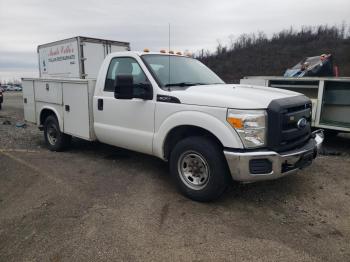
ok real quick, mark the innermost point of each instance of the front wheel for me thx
(54, 138)
(199, 168)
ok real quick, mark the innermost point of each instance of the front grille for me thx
(283, 116)
(298, 108)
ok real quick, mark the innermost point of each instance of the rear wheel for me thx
(54, 138)
(199, 168)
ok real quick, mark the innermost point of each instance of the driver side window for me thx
(125, 66)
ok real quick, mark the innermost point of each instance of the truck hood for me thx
(231, 95)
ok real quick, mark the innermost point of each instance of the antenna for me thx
(169, 59)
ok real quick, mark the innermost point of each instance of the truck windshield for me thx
(184, 71)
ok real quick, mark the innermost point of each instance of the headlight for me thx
(250, 125)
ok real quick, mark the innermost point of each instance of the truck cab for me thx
(175, 108)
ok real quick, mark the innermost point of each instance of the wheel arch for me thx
(192, 123)
(181, 132)
(47, 111)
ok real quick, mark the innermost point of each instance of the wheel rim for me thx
(194, 170)
(52, 134)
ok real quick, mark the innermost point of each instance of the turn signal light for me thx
(146, 50)
(235, 122)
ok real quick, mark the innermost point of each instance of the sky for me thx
(195, 24)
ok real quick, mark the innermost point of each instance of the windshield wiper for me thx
(184, 84)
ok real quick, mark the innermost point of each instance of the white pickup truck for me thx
(175, 108)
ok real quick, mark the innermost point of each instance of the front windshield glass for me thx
(184, 71)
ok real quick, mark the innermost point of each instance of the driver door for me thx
(126, 123)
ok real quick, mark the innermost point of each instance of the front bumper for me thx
(278, 164)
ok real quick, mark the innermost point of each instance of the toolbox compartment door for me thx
(28, 100)
(76, 109)
(48, 91)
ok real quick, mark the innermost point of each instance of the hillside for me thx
(255, 54)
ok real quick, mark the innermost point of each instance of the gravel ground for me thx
(99, 203)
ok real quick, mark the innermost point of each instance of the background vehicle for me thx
(5, 88)
(177, 109)
(17, 88)
(321, 66)
(13, 88)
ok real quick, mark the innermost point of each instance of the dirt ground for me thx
(98, 203)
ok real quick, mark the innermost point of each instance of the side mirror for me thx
(144, 91)
(123, 88)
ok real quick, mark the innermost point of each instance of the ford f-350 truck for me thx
(175, 108)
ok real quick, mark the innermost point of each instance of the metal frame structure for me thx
(330, 97)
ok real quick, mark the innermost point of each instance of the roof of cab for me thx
(140, 53)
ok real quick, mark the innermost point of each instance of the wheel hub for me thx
(193, 170)
(52, 134)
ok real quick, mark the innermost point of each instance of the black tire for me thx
(210, 156)
(54, 138)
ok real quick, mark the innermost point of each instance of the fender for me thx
(223, 131)
(56, 112)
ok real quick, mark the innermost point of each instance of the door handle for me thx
(67, 107)
(100, 104)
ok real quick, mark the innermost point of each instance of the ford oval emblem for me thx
(302, 122)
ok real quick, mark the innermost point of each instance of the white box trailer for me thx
(77, 57)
